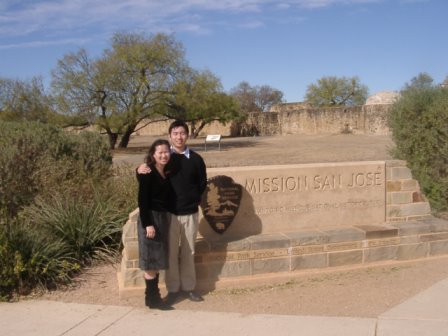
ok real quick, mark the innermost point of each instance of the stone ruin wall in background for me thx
(297, 119)
(365, 119)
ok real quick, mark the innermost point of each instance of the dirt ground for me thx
(272, 150)
(358, 292)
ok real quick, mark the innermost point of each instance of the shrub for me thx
(37, 159)
(62, 206)
(88, 228)
(420, 131)
(29, 259)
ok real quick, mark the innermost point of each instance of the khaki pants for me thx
(181, 273)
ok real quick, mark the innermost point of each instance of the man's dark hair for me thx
(178, 123)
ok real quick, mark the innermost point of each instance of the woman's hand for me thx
(150, 232)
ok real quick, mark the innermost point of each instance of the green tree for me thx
(420, 132)
(25, 100)
(336, 91)
(123, 86)
(256, 98)
(421, 81)
(198, 98)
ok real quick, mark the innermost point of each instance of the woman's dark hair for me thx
(178, 123)
(149, 160)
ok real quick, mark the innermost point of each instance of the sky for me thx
(286, 44)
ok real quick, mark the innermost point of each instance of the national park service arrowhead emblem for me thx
(220, 202)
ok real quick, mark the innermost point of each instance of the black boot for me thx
(153, 298)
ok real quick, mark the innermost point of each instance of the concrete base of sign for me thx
(218, 262)
(400, 228)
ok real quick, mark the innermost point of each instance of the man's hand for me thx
(143, 169)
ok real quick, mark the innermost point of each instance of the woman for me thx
(154, 218)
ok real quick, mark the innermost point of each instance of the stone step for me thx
(290, 252)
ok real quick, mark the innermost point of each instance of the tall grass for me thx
(89, 229)
(29, 259)
(62, 206)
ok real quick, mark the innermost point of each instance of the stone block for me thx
(129, 231)
(381, 242)
(378, 231)
(309, 261)
(344, 234)
(229, 245)
(131, 250)
(312, 249)
(268, 241)
(420, 218)
(418, 196)
(434, 236)
(395, 163)
(132, 278)
(411, 228)
(438, 247)
(409, 240)
(302, 238)
(398, 173)
(270, 265)
(226, 256)
(437, 224)
(415, 209)
(344, 246)
(393, 186)
(393, 211)
(413, 251)
(410, 185)
(270, 253)
(401, 197)
(344, 258)
(202, 246)
(233, 269)
(202, 272)
(216, 271)
(380, 253)
(134, 215)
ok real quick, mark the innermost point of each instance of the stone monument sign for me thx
(293, 197)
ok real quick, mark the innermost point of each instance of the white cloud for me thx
(71, 18)
(39, 43)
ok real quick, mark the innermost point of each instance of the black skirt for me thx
(153, 253)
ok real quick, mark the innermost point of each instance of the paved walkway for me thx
(424, 314)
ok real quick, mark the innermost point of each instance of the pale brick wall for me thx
(404, 200)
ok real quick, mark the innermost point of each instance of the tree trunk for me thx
(126, 137)
(198, 130)
(112, 139)
(193, 133)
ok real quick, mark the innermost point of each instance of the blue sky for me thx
(286, 44)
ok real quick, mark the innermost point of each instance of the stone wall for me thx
(400, 228)
(155, 128)
(365, 119)
(294, 118)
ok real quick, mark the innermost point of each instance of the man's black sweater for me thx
(188, 179)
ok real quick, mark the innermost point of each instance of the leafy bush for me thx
(420, 131)
(62, 205)
(28, 258)
(37, 159)
(88, 229)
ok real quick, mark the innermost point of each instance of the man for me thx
(188, 181)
